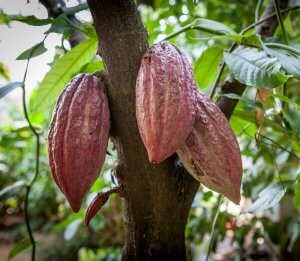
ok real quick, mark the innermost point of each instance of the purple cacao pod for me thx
(211, 153)
(165, 100)
(78, 137)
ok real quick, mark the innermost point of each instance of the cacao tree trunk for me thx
(158, 196)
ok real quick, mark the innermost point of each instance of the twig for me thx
(278, 145)
(213, 226)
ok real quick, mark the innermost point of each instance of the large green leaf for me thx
(255, 68)
(62, 71)
(290, 61)
(212, 26)
(206, 66)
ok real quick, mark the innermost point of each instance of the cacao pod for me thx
(211, 153)
(164, 100)
(96, 204)
(78, 137)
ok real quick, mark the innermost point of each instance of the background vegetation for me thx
(265, 225)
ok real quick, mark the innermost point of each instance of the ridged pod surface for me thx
(78, 137)
(211, 153)
(165, 100)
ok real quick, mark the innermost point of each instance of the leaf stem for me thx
(280, 21)
(220, 199)
(258, 6)
(37, 161)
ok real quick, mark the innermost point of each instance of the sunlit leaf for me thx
(206, 66)
(62, 71)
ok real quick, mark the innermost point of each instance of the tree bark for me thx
(158, 196)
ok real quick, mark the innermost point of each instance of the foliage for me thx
(271, 158)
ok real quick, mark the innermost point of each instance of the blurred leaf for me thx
(31, 20)
(212, 26)
(4, 71)
(206, 66)
(294, 232)
(61, 25)
(8, 88)
(92, 67)
(67, 221)
(267, 198)
(62, 71)
(254, 68)
(248, 116)
(250, 103)
(19, 247)
(71, 229)
(290, 61)
(89, 31)
(253, 40)
(286, 99)
(17, 184)
(34, 51)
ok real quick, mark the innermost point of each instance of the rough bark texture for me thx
(158, 196)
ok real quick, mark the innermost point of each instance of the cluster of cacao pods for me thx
(78, 137)
(173, 116)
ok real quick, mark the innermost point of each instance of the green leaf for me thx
(64, 223)
(249, 116)
(17, 184)
(31, 20)
(212, 26)
(8, 88)
(290, 61)
(61, 25)
(34, 51)
(62, 71)
(253, 40)
(72, 228)
(255, 68)
(92, 67)
(206, 66)
(19, 247)
(286, 99)
(267, 198)
(249, 103)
